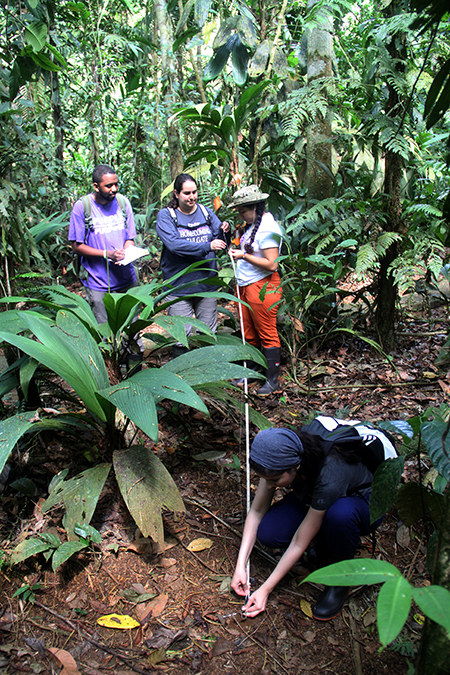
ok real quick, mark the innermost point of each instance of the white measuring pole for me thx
(247, 418)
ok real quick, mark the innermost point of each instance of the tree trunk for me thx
(164, 28)
(394, 169)
(434, 651)
(319, 180)
(280, 21)
(58, 126)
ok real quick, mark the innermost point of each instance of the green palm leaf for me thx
(146, 487)
(69, 350)
(11, 430)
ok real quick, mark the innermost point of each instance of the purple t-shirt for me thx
(109, 232)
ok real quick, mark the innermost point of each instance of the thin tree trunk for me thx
(58, 126)
(257, 143)
(166, 39)
(319, 180)
(386, 286)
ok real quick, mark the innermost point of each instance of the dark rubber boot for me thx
(273, 356)
(330, 603)
(179, 350)
(250, 364)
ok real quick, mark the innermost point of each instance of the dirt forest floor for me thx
(189, 621)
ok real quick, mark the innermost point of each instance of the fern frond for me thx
(425, 254)
(367, 258)
(385, 241)
(312, 216)
(427, 210)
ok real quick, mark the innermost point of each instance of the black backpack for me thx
(370, 447)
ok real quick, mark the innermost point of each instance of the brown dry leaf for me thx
(155, 606)
(402, 536)
(66, 660)
(309, 636)
(157, 656)
(444, 386)
(170, 578)
(169, 543)
(163, 637)
(333, 641)
(199, 544)
(167, 562)
(310, 666)
(297, 324)
(99, 606)
(306, 607)
(139, 588)
(6, 621)
(370, 617)
(143, 546)
(143, 612)
(221, 646)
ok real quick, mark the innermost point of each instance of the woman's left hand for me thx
(256, 603)
(236, 253)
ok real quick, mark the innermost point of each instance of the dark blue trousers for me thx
(344, 523)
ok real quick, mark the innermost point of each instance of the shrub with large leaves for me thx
(62, 336)
(395, 596)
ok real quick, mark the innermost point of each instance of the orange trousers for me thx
(260, 322)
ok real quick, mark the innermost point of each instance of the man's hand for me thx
(116, 254)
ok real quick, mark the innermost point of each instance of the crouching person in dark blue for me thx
(329, 464)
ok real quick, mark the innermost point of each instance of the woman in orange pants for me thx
(258, 279)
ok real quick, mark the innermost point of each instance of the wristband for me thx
(243, 256)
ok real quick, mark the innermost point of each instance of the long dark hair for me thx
(178, 183)
(260, 208)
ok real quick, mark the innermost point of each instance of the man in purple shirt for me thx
(100, 239)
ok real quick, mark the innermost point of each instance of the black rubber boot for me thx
(249, 364)
(179, 350)
(273, 356)
(330, 603)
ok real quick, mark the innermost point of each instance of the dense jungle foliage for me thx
(338, 110)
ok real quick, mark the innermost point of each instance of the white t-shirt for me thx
(268, 236)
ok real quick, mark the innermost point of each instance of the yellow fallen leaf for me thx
(418, 618)
(306, 607)
(118, 621)
(199, 544)
(429, 375)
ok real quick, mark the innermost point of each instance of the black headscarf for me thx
(277, 449)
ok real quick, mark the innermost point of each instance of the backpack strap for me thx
(87, 207)
(173, 215)
(206, 214)
(122, 208)
(203, 209)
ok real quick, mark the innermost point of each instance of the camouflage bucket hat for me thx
(250, 194)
